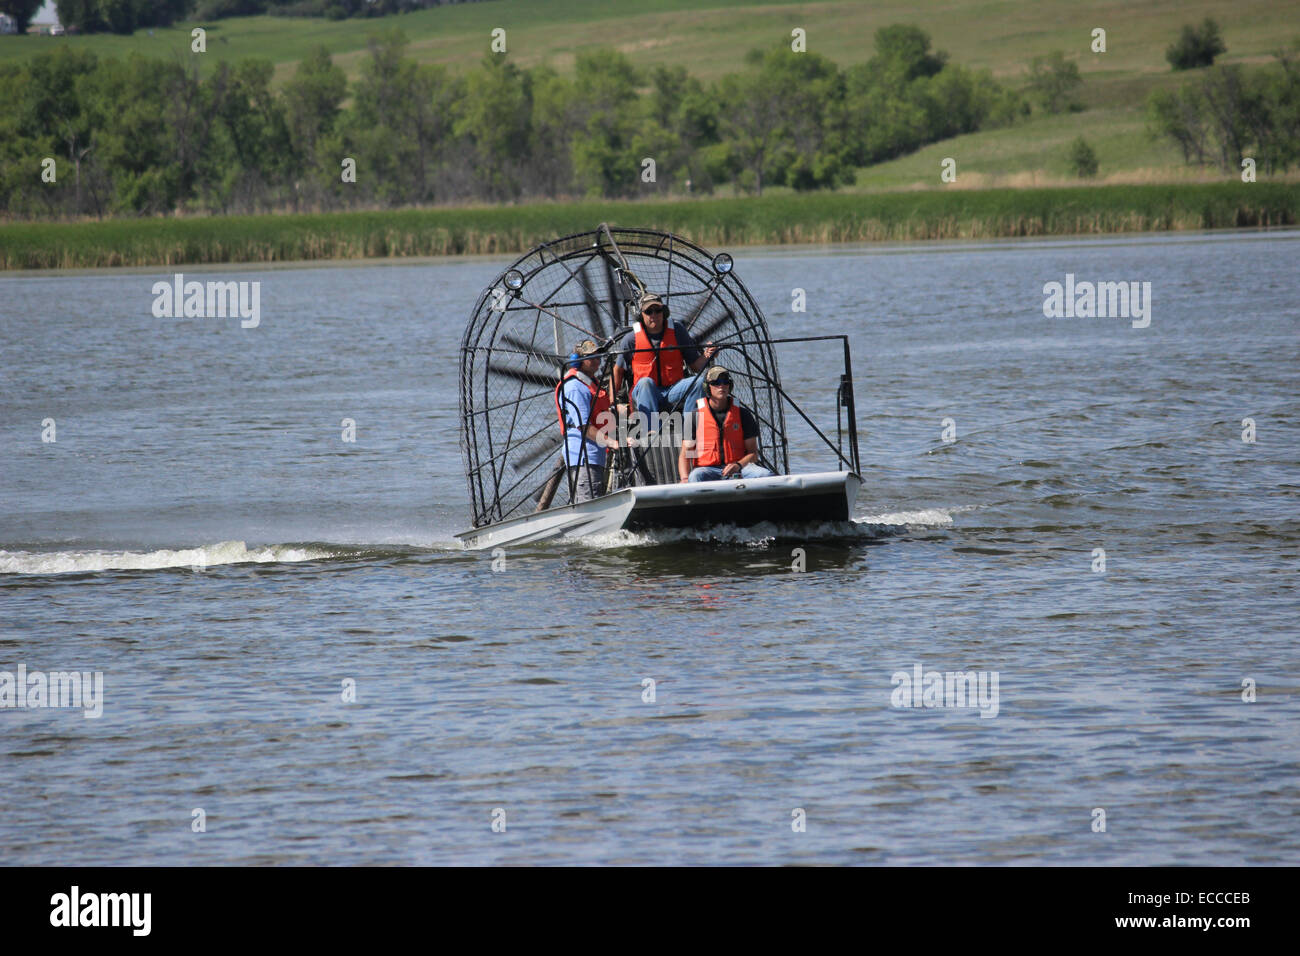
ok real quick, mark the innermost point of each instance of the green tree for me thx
(1278, 126)
(161, 13)
(134, 156)
(1055, 81)
(53, 114)
(905, 96)
(555, 117)
(399, 126)
(786, 121)
(1082, 160)
(21, 10)
(119, 15)
(1180, 116)
(690, 117)
(605, 160)
(889, 113)
(1195, 46)
(313, 100)
(496, 120)
(906, 49)
(249, 152)
(85, 16)
(18, 144)
(1228, 114)
(219, 9)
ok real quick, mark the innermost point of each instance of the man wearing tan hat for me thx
(583, 410)
(726, 436)
(657, 353)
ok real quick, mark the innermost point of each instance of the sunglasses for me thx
(654, 310)
(721, 381)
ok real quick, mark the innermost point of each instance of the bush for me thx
(1054, 80)
(1082, 159)
(1196, 47)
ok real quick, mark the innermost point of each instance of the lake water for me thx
(199, 532)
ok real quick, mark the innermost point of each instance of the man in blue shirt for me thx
(582, 407)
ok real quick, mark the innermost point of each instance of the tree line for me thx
(151, 136)
(1228, 114)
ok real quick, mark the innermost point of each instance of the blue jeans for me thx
(713, 473)
(649, 397)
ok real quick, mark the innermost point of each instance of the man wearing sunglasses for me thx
(726, 436)
(658, 352)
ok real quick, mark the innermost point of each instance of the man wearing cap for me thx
(657, 352)
(583, 410)
(726, 436)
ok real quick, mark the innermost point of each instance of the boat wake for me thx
(925, 518)
(204, 556)
(865, 528)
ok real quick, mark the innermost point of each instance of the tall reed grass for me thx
(816, 218)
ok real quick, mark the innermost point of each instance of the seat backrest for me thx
(661, 457)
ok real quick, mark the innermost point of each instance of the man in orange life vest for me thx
(726, 436)
(583, 410)
(658, 352)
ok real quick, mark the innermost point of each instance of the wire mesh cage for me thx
(528, 321)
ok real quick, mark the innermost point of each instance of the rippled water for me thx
(200, 534)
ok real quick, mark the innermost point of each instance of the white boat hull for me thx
(822, 496)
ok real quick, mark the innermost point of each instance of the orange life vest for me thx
(663, 364)
(714, 450)
(599, 406)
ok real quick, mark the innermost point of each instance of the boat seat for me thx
(660, 458)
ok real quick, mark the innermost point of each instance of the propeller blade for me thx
(592, 303)
(526, 459)
(690, 320)
(703, 334)
(615, 293)
(529, 377)
(527, 348)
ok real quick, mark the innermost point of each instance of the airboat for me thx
(586, 285)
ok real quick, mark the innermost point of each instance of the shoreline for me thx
(938, 214)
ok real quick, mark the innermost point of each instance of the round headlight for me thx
(514, 280)
(722, 263)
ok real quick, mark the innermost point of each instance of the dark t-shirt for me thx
(690, 352)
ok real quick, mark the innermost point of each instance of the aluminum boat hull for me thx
(784, 499)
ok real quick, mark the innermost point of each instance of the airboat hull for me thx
(782, 499)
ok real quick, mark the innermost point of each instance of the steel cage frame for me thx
(584, 285)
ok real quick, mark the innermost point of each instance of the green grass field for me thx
(720, 223)
(710, 37)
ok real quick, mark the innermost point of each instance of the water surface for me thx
(200, 533)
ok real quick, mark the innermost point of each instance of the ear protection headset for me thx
(575, 359)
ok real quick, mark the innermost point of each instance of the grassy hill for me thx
(711, 37)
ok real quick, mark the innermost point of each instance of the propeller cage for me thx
(582, 286)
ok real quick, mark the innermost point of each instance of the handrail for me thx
(843, 397)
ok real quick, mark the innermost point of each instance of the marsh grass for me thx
(784, 219)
